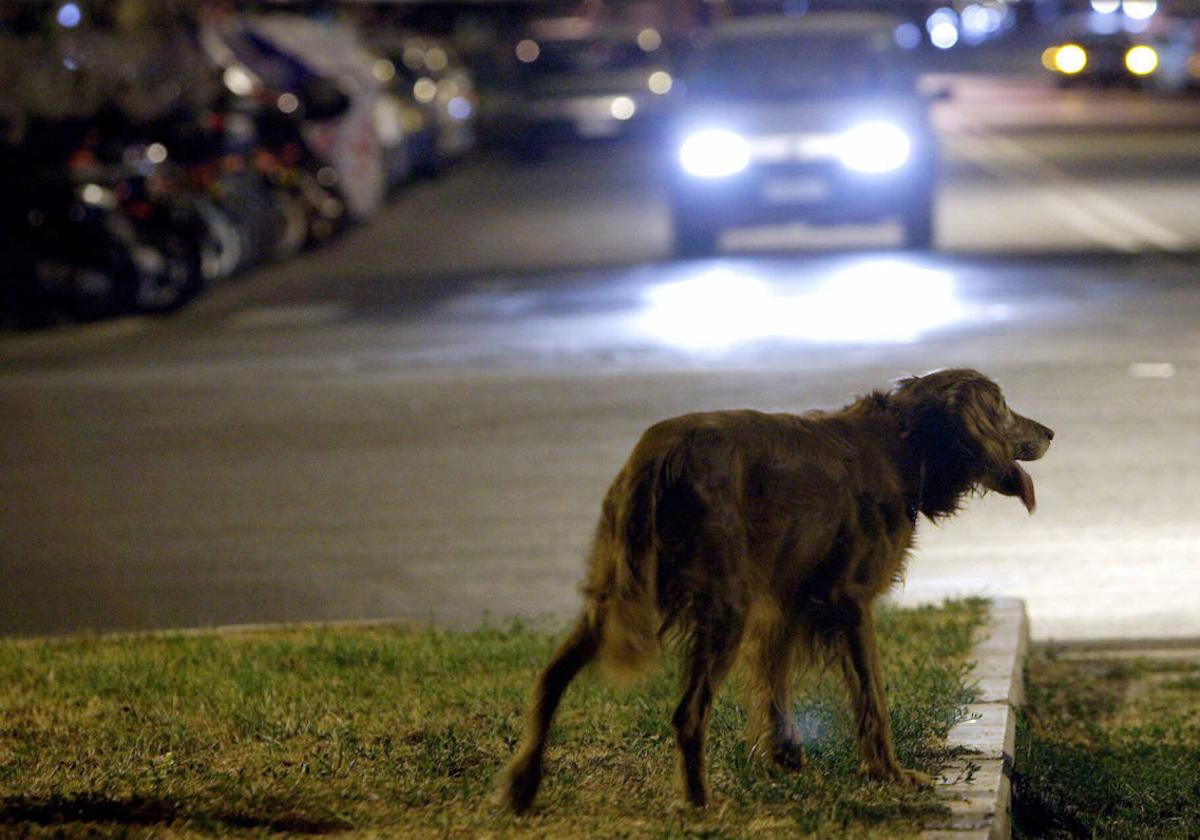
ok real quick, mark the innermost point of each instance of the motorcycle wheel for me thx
(167, 274)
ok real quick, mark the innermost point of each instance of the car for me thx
(407, 122)
(1156, 55)
(578, 81)
(442, 99)
(816, 119)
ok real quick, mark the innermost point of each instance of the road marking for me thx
(299, 315)
(1089, 211)
(1154, 233)
(1152, 370)
(981, 150)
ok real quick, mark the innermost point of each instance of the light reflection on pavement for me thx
(743, 309)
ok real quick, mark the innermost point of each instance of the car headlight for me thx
(714, 153)
(874, 147)
(1070, 59)
(1141, 60)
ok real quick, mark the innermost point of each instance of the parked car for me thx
(816, 119)
(408, 121)
(435, 76)
(582, 83)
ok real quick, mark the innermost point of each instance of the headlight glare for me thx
(875, 147)
(714, 153)
(1141, 60)
(1070, 59)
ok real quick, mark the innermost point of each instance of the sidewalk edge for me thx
(977, 786)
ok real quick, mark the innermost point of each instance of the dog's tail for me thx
(621, 587)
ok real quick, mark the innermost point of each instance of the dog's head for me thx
(967, 437)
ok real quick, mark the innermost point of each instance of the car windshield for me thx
(798, 67)
(568, 58)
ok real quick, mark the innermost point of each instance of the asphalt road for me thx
(420, 420)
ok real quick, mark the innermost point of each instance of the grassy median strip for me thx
(400, 731)
(1109, 746)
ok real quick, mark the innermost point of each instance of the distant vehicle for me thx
(407, 125)
(1160, 55)
(432, 99)
(578, 82)
(453, 92)
(816, 119)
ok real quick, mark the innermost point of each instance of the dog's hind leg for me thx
(521, 779)
(713, 646)
(707, 664)
(773, 728)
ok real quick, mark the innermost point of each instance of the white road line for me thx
(1154, 233)
(298, 315)
(1158, 235)
(1089, 211)
(1081, 217)
(979, 150)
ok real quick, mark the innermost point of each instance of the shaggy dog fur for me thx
(774, 534)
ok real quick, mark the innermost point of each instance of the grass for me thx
(1109, 747)
(398, 731)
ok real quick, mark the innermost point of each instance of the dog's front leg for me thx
(863, 678)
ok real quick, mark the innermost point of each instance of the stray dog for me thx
(776, 532)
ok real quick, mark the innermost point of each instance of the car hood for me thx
(810, 115)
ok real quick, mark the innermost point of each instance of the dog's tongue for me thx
(1022, 486)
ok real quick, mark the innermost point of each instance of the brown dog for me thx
(776, 531)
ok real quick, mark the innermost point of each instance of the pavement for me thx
(421, 419)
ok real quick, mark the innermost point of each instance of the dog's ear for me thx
(985, 417)
(954, 422)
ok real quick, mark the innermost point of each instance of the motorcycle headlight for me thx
(714, 153)
(874, 147)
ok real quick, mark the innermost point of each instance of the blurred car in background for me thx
(1153, 55)
(433, 95)
(423, 59)
(816, 119)
(575, 80)
(407, 126)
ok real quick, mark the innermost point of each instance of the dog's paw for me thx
(899, 775)
(911, 778)
(789, 755)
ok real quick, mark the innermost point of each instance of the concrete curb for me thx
(977, 786)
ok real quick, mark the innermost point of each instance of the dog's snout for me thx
(1032, 439)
